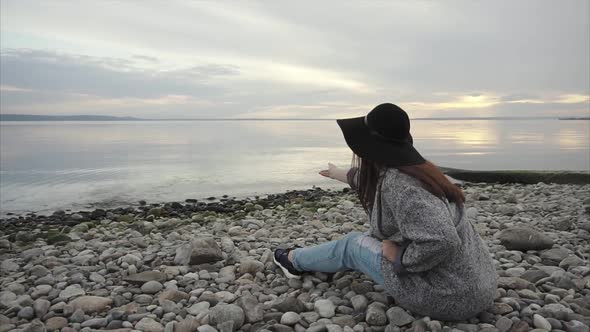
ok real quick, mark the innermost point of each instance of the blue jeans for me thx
(355, 251)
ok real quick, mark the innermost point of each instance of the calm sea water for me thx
(55, 165)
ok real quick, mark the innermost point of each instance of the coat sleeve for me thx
(427, 228)
(351, 177)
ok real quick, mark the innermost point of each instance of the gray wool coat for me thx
(447, 272)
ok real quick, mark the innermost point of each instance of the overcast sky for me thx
(313, 59)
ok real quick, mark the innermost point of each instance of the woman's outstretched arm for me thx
(336, 173)
(346, 175)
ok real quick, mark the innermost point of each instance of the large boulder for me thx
(523, 239)
(222, 313)
(205, 250)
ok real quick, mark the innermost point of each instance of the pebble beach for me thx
(207, 266)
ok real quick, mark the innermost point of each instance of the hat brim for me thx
(367, 145)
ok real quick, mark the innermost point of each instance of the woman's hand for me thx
(330, 172)
(335, 172)
(390, 250)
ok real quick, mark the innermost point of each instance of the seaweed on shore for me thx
(517, 176)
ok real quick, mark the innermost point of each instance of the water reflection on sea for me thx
(50, 165)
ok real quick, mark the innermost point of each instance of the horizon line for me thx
(31, 117)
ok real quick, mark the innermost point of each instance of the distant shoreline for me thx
(65, 118)
(588, 118)
(31, 117)
(460, 176)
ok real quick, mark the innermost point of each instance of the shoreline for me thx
(456, 175)
(207, 200)
(221, 204)
(194, 266)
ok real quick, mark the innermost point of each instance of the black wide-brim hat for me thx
(382, 136)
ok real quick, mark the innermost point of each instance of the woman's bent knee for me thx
(351, 236)
(356, 241)
(369, 243)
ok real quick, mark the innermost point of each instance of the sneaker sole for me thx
(285, 271)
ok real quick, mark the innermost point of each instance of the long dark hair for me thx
(430, 177)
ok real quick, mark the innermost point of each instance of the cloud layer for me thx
(226, 60)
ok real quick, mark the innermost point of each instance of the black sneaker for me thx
(280, 257)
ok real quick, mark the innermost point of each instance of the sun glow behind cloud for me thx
(489, 101)
(573, 99)
(460, 102)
